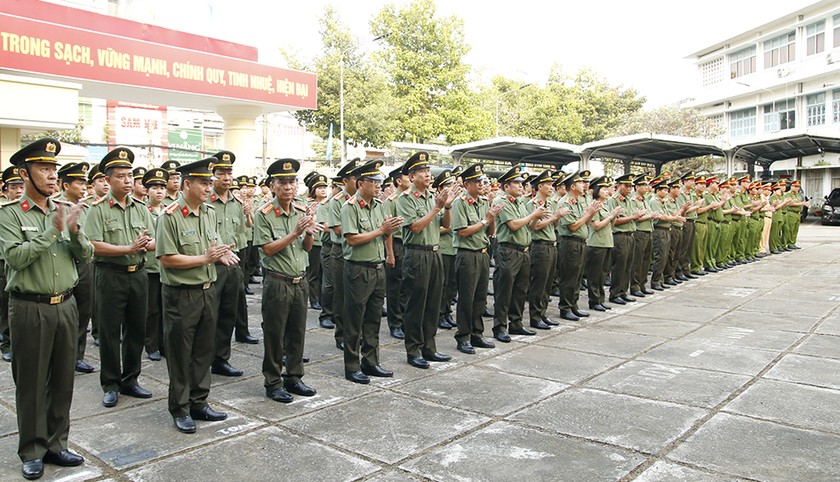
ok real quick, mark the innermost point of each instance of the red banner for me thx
(38, 47)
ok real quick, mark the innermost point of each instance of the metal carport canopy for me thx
(518, 149)
(656, 149)
(781, 146)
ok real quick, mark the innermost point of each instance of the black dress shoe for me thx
(579, 313)
(248, 339)
(690, 276)
(608, 307)
(657, 287)
(481, 342)
(33, 469)
(443, 324)
(184, 424)
(398, 333)
(568, 315)
(278, 395)
(647, 291)
(671, 283)
(540, 325)
(357, 377)
(136, 391)
(248, 290)
(300, 388)
(637, 293)
(315, 305)
(376, 371)
(154, 356)
(84, 367)
(699, 273)
(683, 277)
(437, 357)
(617, 301)
(110, 398)
(326, 323)
(521, 331)
(225, 369)
(418, 362)
(7, 356)
(597, 307)
(207, 414)
(65, 458)
(339, 344)
(548, 321)
(466, 347)
(628, 299)
(711, 269)
(253, 281)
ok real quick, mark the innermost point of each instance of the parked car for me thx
(831, 208)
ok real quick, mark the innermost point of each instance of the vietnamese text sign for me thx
(184, 139)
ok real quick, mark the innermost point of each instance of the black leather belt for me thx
(123, 268)
(482, 250)
(422, 247)
(55, 299)
(689, 220)
(620, 233)
(662, 228)
(291, 279)
(202, 286)
(575, 239)
(516, 247)
(543, 241)
(396, 240)
(366, 264)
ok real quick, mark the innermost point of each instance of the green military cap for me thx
(641, 180)
(42, 150)
(317, 180)
(73, 170)
(603, 181)
(528, 177)
(252, 181)
(689, 176)
(576, 177)
(674, 183)
(625, 179)
(283, 168)
(263, 182)
(170, 166)
(155, 177)
(345, 170)
(513, 175)
(11, 176)
(559, 176)
(94, 173)
(745, 178)
(243, 180)
(475, 171)
(138, 172)
(397, 172)
(659, 183)
(119, 157)
(224, 159)
(457, 171)
(443, 179)
(419, 160)
(309, 176)
(545, 176)
(235, 184)
(200, 168)
(368, 170)
(700, 179)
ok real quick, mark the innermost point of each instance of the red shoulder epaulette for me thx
(171, 208)
(298, 207)
(94, 203)
(352, 200)
(267, 208)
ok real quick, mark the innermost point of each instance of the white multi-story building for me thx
(780, 77)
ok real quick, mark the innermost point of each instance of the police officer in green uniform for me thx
(661, 237)
(189, 249)
(642, 242)
(138, 191)
(173, 185)
(73, 177)
(155, 182)
(420, 210)
(574, 231)
(623, 229)
(447, 255)
(12, 191)
(317, 188)
(687, 196)
(673, 273)
(714, 202)
(41, 240)
(394, 252)
(322, 217)
(101, 188)
(701, 229)
(599, 243)
(365, 228)
(543, 252)
(122, 231)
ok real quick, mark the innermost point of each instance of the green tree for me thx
(70, 136)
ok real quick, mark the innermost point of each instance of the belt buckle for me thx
(206, 285)
(435, 247)
(525, 249)
(484, 250)
(297, 280)
(131, 268)
(56, 299)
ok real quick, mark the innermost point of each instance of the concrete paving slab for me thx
(556, 364)
(393, 476)
(483, 390)
(6, 380)
(649, 326)
(137, 435)
(688, 386)
(595, 340)
(527, 454)
(699, 354)
(761, 450)
(724, 297)
(679, 312)
(831, 324)
(764, 339)
(10, 465)
(668, 472)
(778, 305)
(758, 321)
(822, 372)
(386, 426)
(8, 419)
(791, 403)
(630, 422)
(827, 346)
(269, 453)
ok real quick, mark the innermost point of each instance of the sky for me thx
(641, 44)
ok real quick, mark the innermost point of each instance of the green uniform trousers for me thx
(363, 300)
(661, 247)
(672, 269)
(44, 345)
(543, 258)
(724, 251)
(121, 309)
(572, 256)
(701, 238)
(5, 339)
(712, 244)
(622, 264)
(338, 291)
(284, 329)
(642, 256)
(394, 296)
(83, 292)
(790, 229)
(510, 289)
(686, 247)
(313, 274)
(154, 319)
(473, 276)
(422, 282)
(327, 287)
(189, 325)
(450, 284)
(776, 232)
(228, 290)
(596, 259)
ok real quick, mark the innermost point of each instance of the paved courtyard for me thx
(732, 376)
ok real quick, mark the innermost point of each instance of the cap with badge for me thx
(545, 176)
(642, 180)
(700, 179)
(578, 176)
(318, 180)
(309, 177)
(420, 160)
(74, 170)
(515, 174)
(626, 179)
(170, 166)
(559, 176)
(689, 176)
(346, 169)
(242, 180)
(475, 171)
(138, 172)
(94, 173)
(223, 160)
(155, 177)
(284, 168)
(11, 176)
(119, 157)
(199, 168)
(369, 170)
(235, 184)
(457, 171)
(252, 181)
(603, 181)
(42, 150)
(443, 179)
(711, 180)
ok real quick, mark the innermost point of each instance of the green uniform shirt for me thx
(689, 198)
(603, 237)
(642, 202)
(272, 223)
(230, 217)
(334, 215)
(675, 208)
(661, 206)
(389, 208)
(548, 233)
(108, 222)
(411, 206)
(467, 211)
(167, 199)
(184, 231)
(39, 259)
(625, 202)
(359, 217)
(514, 208)
(714, 214)
(152, 263)
(701, 217)
(577, 208)
(317, 239)
(778, 213)
(322, 216)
